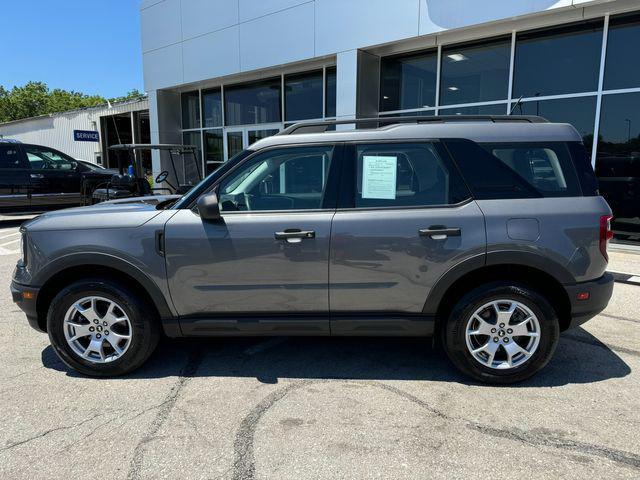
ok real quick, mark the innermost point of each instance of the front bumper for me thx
(26, 298)
(599, 291)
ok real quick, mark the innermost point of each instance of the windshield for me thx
(202, 187)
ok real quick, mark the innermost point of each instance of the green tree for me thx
(35, 98)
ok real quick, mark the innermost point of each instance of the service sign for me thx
(86, 136)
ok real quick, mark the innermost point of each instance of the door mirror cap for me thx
(208, 207)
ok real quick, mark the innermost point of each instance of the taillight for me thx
(606, 234)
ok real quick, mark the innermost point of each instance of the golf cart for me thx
(130, 181)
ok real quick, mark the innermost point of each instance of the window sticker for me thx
(379, 177)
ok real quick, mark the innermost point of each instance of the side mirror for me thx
(208, 207)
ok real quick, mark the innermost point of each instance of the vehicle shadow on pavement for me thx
(580, 358)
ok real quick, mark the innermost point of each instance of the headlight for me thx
(23, 247)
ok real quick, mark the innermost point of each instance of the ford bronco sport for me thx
(486, 231)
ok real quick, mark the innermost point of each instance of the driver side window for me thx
(44, 159)
(282, 179)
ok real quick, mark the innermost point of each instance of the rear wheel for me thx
(501, 333)
(100, 329)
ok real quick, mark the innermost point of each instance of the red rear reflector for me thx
(606, 234)
(583, 296)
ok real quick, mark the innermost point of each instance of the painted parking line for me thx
(9, 243)
(3, 235)
(623, 277)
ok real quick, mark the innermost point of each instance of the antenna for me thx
(515, 105)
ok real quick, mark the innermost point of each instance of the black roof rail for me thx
(323, 125)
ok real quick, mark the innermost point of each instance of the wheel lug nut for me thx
(509, 331)
(496, 339)
(91, 329)
(506, 340)
(106, 332)
(493, 330)
(96, 321)
(98, 335)
(502, 325)
(104, 323)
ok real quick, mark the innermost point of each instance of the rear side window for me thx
(10, 157)
(405, 175)
(517, 170)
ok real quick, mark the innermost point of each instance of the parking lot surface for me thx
(304, 408)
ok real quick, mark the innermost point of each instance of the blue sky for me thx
(90, 46)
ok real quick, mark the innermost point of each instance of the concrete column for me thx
(347, 84)
(358, 84)
(164, 124)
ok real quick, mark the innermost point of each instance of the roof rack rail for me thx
(322, 126)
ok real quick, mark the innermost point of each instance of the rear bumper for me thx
(599, 291)
(26, 297)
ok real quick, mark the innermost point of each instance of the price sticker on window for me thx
(379, 176)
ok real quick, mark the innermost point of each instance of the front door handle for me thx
(294, 235)
(440, 232)
(37, 175)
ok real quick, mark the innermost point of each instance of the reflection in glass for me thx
(212, 108)
(497, 109)
(477, 73)
(234, 143)
(252, 103)
(303, 96)
(213, 146)
(622, 70)
(579, 112)
(618, 162)
(330, 105)
(255, 135)
(408, 82)
(566, 60)
(188, 171)
(191, 110)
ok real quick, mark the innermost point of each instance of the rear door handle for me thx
(440, 232)
(37, 175)
(294, 235)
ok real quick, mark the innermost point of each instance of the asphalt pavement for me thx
(320, 408)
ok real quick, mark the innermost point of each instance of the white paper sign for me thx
(379, 177)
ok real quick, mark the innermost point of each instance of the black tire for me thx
(145, 327)
(455, 332)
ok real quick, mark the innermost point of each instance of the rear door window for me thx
(10, 157)
(517, 170)
(405, 175)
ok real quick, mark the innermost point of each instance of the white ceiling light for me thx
(457, 57)
(454, 88)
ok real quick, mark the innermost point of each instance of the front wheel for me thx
(501, 333)
(100, 329)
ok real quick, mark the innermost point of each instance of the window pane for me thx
(475, 73)
(10, 157)
(255, 135)
(212, 108)
(404, 175)
(48, 160)
(303, 96)
(330, 108)
(253, 103)
(516, 170)
(408, 82)
(213, 146)
(234, 143)
(284, 179)
(618, 161)
(187, 172)
(579, 112)
(191, 110)
(564, 61)
(498, 109)
(622, 69)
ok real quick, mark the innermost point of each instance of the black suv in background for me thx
(34, 178)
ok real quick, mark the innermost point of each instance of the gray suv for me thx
(486, 231)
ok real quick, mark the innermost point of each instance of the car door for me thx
(14, 179)
(404, 219)
(55, 178)
(263, 268)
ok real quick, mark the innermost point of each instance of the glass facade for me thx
(556, 74)
(257, 102)
(191, 110)
(330, 92)
(562, 61)
(477, 73)
(408, 82)
(303, 96)
(212, 108)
